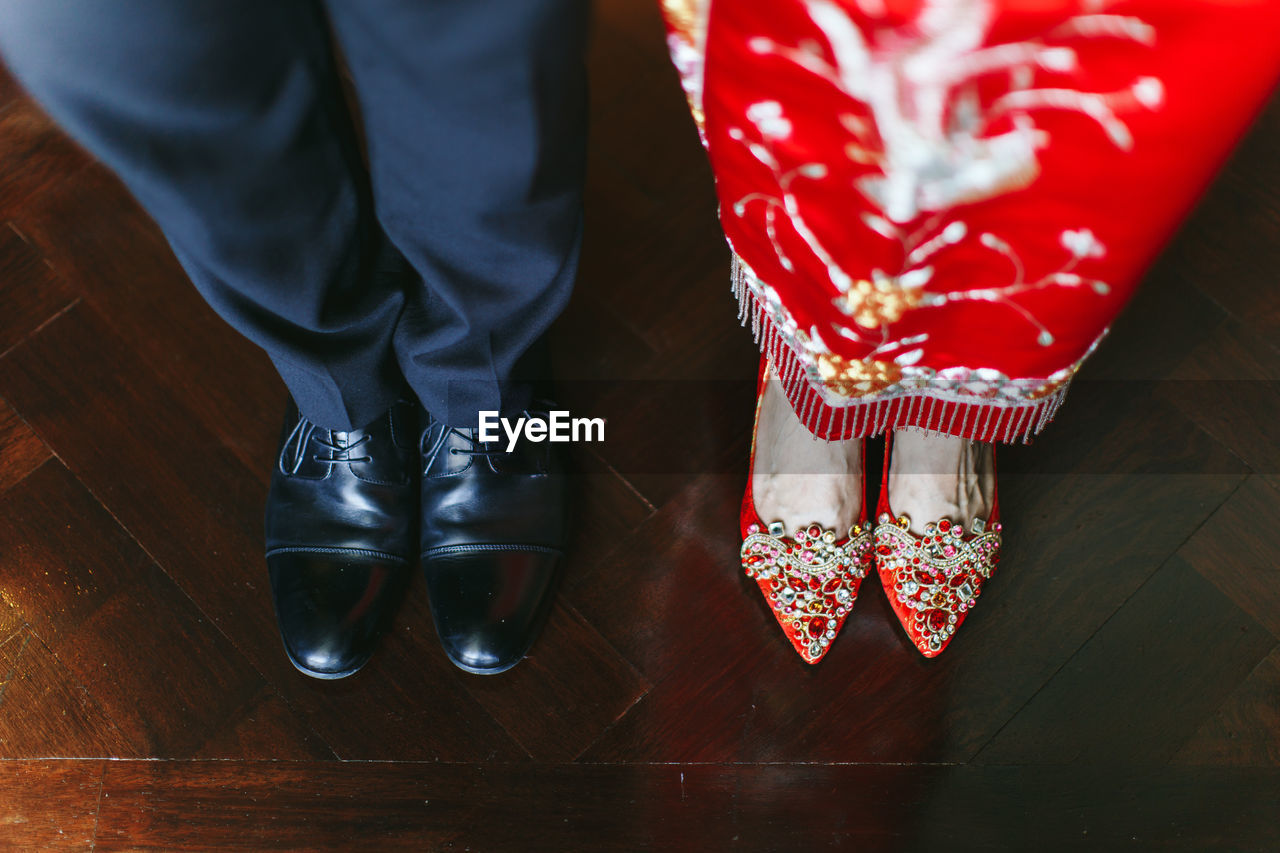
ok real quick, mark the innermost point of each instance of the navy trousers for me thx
(441, 264)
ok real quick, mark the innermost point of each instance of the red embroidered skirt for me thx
(937, 207)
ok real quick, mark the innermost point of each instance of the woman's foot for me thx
(934, 476)
(805, 542)
(801, 480)
(937, 537)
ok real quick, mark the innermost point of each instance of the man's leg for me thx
(475, 116)
(476, 127)
(225, 119)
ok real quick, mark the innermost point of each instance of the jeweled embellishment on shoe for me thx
(934, 580)
(810, 580)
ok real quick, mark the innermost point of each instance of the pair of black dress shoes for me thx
(350, 513)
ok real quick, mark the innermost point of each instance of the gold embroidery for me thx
(858, 378)
(874, 304)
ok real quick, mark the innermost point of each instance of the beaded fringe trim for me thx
(876, 414)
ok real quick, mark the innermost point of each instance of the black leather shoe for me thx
(340, 530)
(494, 528)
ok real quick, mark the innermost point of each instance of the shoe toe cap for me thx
(488, 605)
(331, 608)
(326, 657)
(485, 650)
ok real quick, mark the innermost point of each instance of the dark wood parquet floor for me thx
(1120, 687)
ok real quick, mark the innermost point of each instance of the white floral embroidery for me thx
(767, 116)
(1082, 244)
(928, 133)
(928, 136)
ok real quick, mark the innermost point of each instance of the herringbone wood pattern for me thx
(1120, 685)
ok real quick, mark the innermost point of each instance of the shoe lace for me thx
(302, 434)
(474, 446)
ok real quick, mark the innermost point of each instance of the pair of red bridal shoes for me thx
(810, 577)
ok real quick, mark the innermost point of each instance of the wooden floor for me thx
(1120, 686)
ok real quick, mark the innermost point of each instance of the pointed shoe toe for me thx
(809, 580)
(933, 581)
(489, 605)
(332, 607)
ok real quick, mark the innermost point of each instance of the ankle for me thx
(932, 477)
(800, 480)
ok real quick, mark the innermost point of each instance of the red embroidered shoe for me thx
(810, 579)
(933, 581)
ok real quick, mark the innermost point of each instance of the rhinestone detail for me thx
(810, 579)
(934, 580)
